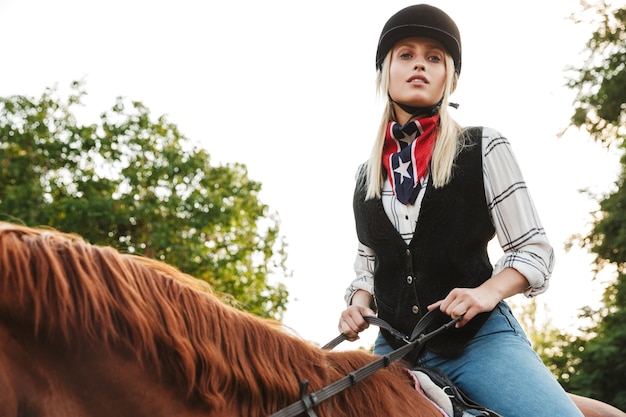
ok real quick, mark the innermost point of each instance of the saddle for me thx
(441, 391)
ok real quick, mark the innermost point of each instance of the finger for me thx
(358, 318)
(345, 329)
(454, 307)
(368, 312)
(348, 327)
(357, 323)
(466, 316)
(458, 310)
(435, 305)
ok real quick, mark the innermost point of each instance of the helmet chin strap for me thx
(427, 111)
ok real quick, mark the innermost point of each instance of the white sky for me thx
(300, 77)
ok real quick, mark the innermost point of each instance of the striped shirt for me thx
(518, 228)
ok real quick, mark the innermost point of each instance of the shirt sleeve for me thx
(364, 268)
(518, 227)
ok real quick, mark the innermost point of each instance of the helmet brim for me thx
(393, 36)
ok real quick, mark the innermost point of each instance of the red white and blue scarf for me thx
(407, 164)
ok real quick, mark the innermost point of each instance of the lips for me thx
(417, 78)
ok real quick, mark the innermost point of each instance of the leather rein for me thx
(418, 338)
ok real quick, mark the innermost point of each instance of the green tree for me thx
(136, 183)
(592, 364)
(542, 334)
(600, 82)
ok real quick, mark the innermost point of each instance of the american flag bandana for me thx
(406, 161)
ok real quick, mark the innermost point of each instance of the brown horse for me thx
(87, 331)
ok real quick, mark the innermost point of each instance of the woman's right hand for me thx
(352, 322)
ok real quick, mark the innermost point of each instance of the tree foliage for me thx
(542, 334)
(601, 82)
(592, 364)
(136, 183)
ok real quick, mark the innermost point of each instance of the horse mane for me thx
(62, 286)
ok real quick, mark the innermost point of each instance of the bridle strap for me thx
(308, 401)
(371, 320)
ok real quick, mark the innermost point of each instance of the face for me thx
(417, 73)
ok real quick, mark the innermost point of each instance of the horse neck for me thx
(48, 379)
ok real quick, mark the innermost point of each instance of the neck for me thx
(404, 112)
(403, 116)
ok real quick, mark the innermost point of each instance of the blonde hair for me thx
(447, 145)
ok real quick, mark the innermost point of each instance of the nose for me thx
(419, 65)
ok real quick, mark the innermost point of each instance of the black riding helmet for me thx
(420, 20)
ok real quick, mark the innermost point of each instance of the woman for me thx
(430, 198)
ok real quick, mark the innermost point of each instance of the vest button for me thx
(409, 280)
(415, 309)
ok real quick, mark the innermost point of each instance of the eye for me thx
(405, 55)
(434, 58)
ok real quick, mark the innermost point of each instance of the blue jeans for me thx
(500, 370)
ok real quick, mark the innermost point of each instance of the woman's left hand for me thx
(466, 302)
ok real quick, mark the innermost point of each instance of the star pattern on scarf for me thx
(403, 170)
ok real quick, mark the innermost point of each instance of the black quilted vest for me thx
(448, 250)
